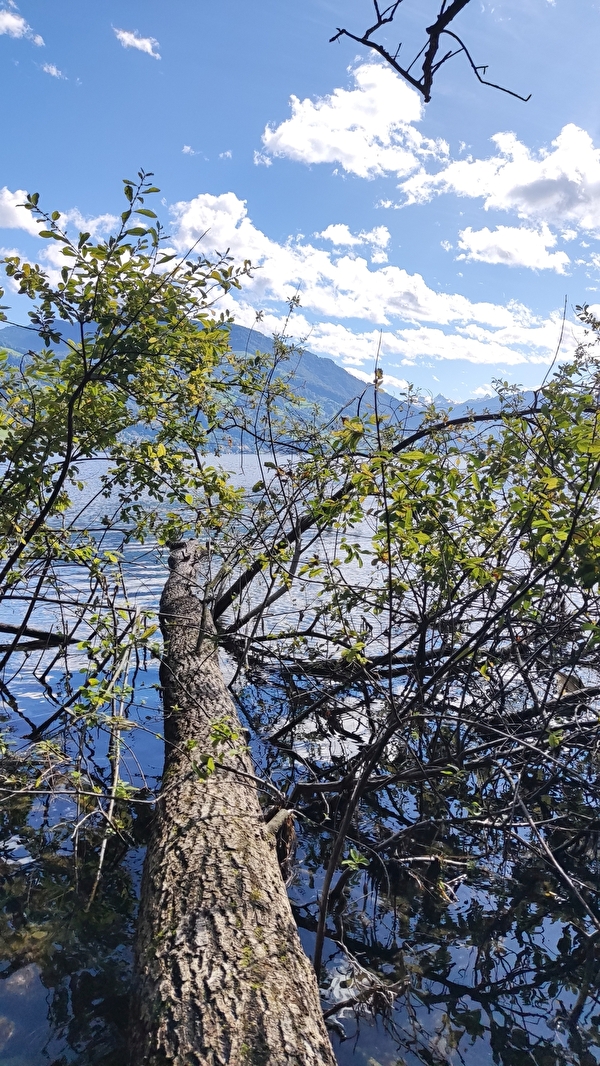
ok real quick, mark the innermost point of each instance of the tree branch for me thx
(431, 62)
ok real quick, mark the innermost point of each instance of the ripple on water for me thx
(21, 982)
(7, 1029)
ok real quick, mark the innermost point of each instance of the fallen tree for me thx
(221, 976)
(436, 707)
(142, 377)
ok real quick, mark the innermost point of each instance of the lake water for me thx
(498, 965)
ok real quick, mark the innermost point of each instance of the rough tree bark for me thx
(221, 977)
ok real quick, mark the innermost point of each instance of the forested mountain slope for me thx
(316, 378)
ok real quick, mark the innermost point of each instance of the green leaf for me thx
(355, 860)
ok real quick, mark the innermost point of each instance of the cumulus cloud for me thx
(53, 71)
(509, 346)
(188, 150)
(133, 39)
(535, 344)
(515, 246)
(339, 234)
(74, 222)
(95, 225)
(390, 382)
(15, 26)
(418, 321)
(12, 216)
(368, 129)
(559, 186)
(337, 285)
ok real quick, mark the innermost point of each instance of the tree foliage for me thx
(411, 611)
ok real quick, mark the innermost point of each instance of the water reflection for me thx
(491, 961)
(64, 971)
(455, 943)
(488, 970)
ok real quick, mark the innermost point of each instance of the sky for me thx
(448, 237)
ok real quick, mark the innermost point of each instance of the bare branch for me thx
(431, 62)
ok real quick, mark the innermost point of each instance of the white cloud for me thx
(362, 375)
(188, 150)
(390, 383)
(559, 186)
(367, 129)
(410, 320)
(331, 284)
(53, 71)
(11, 215)
(133, 39)
(9, 284)
(413, 345)
(515, 246)
(419, 321)
(339, 234)
(96, 226)
(15, 26)
(74, 222)
(50, 253)
(226, 155)
(510, 346)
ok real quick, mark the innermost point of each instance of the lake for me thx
(492, 960)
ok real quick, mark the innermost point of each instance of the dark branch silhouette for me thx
(433, 58)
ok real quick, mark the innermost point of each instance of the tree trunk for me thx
(221, 977)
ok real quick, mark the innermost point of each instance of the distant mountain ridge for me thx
(316, 378)
(320, 379)
(313, 377)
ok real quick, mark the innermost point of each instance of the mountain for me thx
(314, 377)
(24, 339)
(322, 381)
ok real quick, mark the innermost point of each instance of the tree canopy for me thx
(409, 606)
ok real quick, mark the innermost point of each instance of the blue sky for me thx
(448, 234)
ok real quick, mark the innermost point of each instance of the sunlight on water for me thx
(487, 959)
